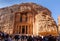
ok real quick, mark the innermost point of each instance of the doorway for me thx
(23, 29)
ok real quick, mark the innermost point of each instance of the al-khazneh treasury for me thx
(27, 19)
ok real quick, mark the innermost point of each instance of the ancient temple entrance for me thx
(23, 24)
(23, 30)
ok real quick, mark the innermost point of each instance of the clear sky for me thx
(52, 5)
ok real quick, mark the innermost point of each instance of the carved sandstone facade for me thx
(27, 18)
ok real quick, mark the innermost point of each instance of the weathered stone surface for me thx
(43, 21)
(59, 24)
(45, 24)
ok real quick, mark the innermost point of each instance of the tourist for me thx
(45, 38)
(16, 37)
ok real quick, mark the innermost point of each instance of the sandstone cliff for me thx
(44, 20)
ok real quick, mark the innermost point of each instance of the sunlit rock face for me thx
(59, 24)
(43, 23)
(6, 20)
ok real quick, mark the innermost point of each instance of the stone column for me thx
(21, 29)
(25, 29)
(28, 29)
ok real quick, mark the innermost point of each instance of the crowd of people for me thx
(7, 37)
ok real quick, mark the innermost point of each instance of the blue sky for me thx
(52, 5)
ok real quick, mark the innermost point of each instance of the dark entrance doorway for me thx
(23, 29)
